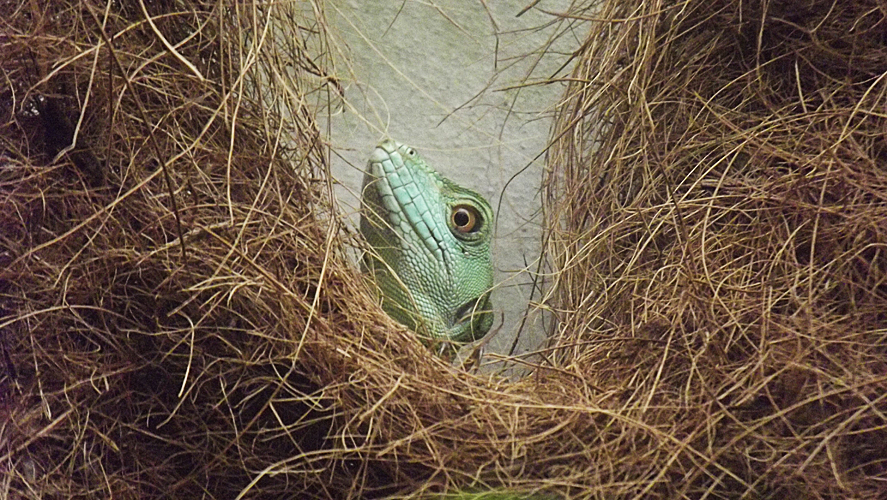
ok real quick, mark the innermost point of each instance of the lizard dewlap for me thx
(429, 246)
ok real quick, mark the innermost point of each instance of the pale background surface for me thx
(428, 74)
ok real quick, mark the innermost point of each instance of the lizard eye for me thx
(465, 219)
(411, 152)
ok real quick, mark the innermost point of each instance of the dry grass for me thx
(158, 279)
(722, 244)
(179, 318)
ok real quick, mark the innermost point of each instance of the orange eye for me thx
(465, 219)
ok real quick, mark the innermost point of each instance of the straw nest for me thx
(180, 320)
(718, 185)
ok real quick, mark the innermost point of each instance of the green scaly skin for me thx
(430, 242)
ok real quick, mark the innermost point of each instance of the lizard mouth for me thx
(468, 311)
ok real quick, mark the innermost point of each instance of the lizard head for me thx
(430, 245)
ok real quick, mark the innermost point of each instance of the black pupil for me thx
(461, 218)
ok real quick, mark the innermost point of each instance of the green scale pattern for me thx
(430, 246)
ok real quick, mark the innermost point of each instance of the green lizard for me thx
(430, 239)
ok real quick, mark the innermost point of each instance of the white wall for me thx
(428, 74)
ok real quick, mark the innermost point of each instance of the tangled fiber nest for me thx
(179, 318)
(719, 179)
